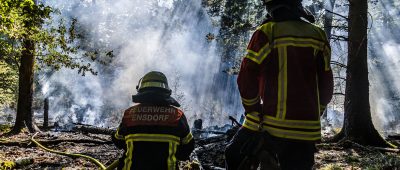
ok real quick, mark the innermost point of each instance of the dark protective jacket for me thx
(286, 75)
(154, 137)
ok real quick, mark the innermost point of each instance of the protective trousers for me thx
(291, 155)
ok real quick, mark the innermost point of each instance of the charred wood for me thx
(209, 140)
(46, 113)
(92, 129)
(208, 131)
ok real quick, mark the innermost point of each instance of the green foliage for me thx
(56, 41)
(237, 20)
(5, 128)
(20, 20)
(9, 84)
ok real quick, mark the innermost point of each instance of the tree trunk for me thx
(358, 125)
(24, 116)
(46, 113)
(328, 18)
(25, 93)
(328, 30)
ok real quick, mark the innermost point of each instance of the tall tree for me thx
(358, 126)
(27, 35)
(328, 17)
(19, 20)
(25, 88)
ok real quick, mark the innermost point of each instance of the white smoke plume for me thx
(167, 36)
(384, 66)
(385, 89)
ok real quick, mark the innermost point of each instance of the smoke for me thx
(384, 66)
(167, 36)
(385, 89)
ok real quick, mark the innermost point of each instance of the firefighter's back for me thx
(290, 73)
(152, 134)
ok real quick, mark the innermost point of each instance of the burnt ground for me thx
(105, 153)
(209, 153)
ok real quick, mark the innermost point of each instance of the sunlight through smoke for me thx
(167, 36)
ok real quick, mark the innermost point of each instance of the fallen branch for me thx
(57, 141)
(53, 142)
(15, 143)
(207, 131)
(93, 130)
(387, 149)
(210, 140)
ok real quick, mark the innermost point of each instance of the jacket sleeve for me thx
(118, 139)
(249, 78)
(186, 146)
(325, 76)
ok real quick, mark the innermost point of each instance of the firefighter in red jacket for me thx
(285, 82)
(154, 133)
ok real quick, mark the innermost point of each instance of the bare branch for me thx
(341, 78)
(339, 64)
(337, 26)
(327, 10)
(339, 94)
(339, 37)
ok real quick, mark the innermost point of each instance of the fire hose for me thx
(75, 155)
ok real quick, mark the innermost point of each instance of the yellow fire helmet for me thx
(153, 80)
(153, 88)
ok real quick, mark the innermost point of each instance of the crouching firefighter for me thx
(154, 133)
(285, 82)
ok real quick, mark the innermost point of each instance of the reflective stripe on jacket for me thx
(153, 137)
(286, 75)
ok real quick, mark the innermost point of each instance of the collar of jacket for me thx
(155, 98)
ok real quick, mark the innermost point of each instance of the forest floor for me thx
(210, 155)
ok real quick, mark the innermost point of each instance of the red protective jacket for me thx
(154, 137)
(286, 76)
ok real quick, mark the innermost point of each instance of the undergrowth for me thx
(5, 128)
